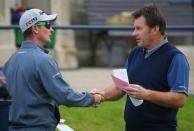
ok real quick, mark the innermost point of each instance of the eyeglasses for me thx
(43, 23)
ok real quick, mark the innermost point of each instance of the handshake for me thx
(98, 97)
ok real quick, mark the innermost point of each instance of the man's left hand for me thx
(137, 91)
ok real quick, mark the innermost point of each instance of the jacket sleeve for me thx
(58, 89)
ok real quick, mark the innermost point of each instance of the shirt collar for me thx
(151, 51)
(30, 44)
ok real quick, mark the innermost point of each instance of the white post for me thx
(65, 51)
(7, 39)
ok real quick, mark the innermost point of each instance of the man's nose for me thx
(134, 33)
(51, 29)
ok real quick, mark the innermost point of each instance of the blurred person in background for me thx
(158, 74)
(4, 95)
(4, 103)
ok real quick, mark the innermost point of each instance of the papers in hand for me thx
(120, 79)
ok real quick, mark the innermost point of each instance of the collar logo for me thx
(31, 21)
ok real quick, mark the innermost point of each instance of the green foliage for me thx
(109, 117)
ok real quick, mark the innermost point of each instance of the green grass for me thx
(186, 116)
(109, 117)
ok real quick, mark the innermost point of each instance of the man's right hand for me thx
(110, 93)
(98, 98)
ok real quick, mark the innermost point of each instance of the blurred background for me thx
(93, 37)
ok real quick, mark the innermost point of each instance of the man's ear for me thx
(155, 30)
(35, 29)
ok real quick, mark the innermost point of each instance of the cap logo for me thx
(41, 13)
(31, 21)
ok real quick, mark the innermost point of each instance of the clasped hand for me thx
(97, 96)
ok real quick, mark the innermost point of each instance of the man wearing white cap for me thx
(34, 81)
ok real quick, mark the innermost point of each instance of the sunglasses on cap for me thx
(44, 23)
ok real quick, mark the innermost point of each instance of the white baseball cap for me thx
(32, 16)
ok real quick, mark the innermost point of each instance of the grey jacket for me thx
(37, 86)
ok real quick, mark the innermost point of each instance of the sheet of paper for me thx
(136, 102)
(120, 79)
(120, 83)
(121, 74)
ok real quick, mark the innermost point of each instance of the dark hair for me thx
(27, 32)
(153, 17)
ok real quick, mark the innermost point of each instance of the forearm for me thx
(166, 99)
(112, 93)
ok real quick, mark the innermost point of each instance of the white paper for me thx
(63, 127)
(136, 102)
(122, 75)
